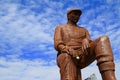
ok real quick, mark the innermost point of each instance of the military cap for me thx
(73, 10)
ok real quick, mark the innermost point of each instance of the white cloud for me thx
(22, 27)
(31, 25)
(117, 69)
(86, 72)
(27, 70)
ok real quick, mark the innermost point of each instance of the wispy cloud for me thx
(27, 70)
(27, 29)
(20, 28)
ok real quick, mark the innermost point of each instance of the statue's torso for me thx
(73, 35)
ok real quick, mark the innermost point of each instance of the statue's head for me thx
(74, 15)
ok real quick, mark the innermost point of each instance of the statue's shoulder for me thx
(82, 28)
(61, 26)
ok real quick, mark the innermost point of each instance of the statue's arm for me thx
(88, 35)
(58, 41)
(86, 42)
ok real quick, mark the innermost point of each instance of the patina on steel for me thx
(76, 50)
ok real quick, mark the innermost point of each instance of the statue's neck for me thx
(72, 23)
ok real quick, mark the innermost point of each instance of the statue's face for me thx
(74, 17)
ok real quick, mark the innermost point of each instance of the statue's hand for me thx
(85, 45)
(65, 49)
(71, 52)
(68, 50)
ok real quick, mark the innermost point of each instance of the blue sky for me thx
(27, 29)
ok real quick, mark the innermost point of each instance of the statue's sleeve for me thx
(88, 35)
(58, 41)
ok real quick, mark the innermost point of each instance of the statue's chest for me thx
(73, 32)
